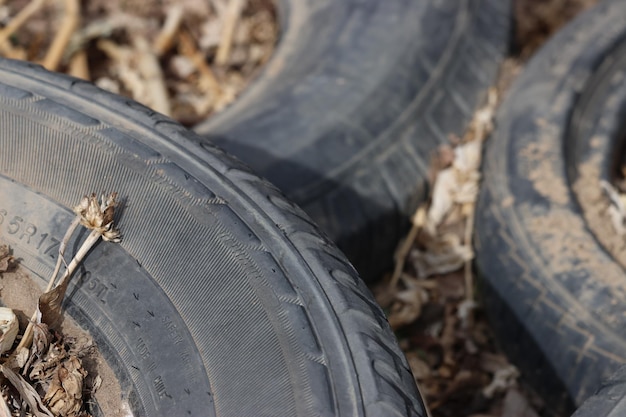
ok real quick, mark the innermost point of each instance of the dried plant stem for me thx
(114, 51)
(208, 80)
(233, 12)
(78, 66)
(19, 19)
(150, 70)
(68, 234)
(419, 219)
(91, 240)
(61, 40)
(165, 39)
(469, 229)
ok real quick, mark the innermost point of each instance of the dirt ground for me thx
(22, 302)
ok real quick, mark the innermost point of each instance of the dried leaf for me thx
(407, 307)
(41, 342)
(617, 220)
(467, 157)
(21, 357)
(44, 368)
(503, 379)
(27, 392)
(464, 311)
(617, 210)
(50, 305)
(443, 254)
(516, 405)
(97, 383)
(491, 362)
(41, 339)
(64, 396)
(442, 199)
(9, 327)
(4, 408)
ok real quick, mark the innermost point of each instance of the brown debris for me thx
(230, 20)
(537, 20)
(6, 259)
(144, 44)
(70, 22)
(65, 395)
(430, 294)
(26, 392)
(47, 360)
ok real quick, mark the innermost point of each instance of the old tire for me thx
(345, 116)
(554, 291)
(222, 299)
(609, 401)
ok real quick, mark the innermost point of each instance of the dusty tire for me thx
(555, 293)
(357, 96)
(609, 401)
(222, 298)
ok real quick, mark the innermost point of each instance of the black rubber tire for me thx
(555, 295)
(345, 116)
(222, 299)
(609, 401)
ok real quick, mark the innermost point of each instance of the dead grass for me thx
(184, 58)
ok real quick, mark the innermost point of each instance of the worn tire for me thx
(345, 116)
(609, 401)
(222, 298)
(555, 293)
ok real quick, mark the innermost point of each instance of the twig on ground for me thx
(101, 28)
(130, 78)
(419, 219)
(118, 54)
(69, 24)
(150, 70)
(233, 13)
(208, 81)
(165, 39)
(468, 212)
(19, 19)
(79, 66)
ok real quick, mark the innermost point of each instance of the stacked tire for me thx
(224, 298)
(346, 116)
(551, 264)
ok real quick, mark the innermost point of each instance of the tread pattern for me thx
(373, 363)
(609, 401)
(554, 296)
(361, 174)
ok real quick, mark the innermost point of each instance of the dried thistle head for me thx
(98, 215)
